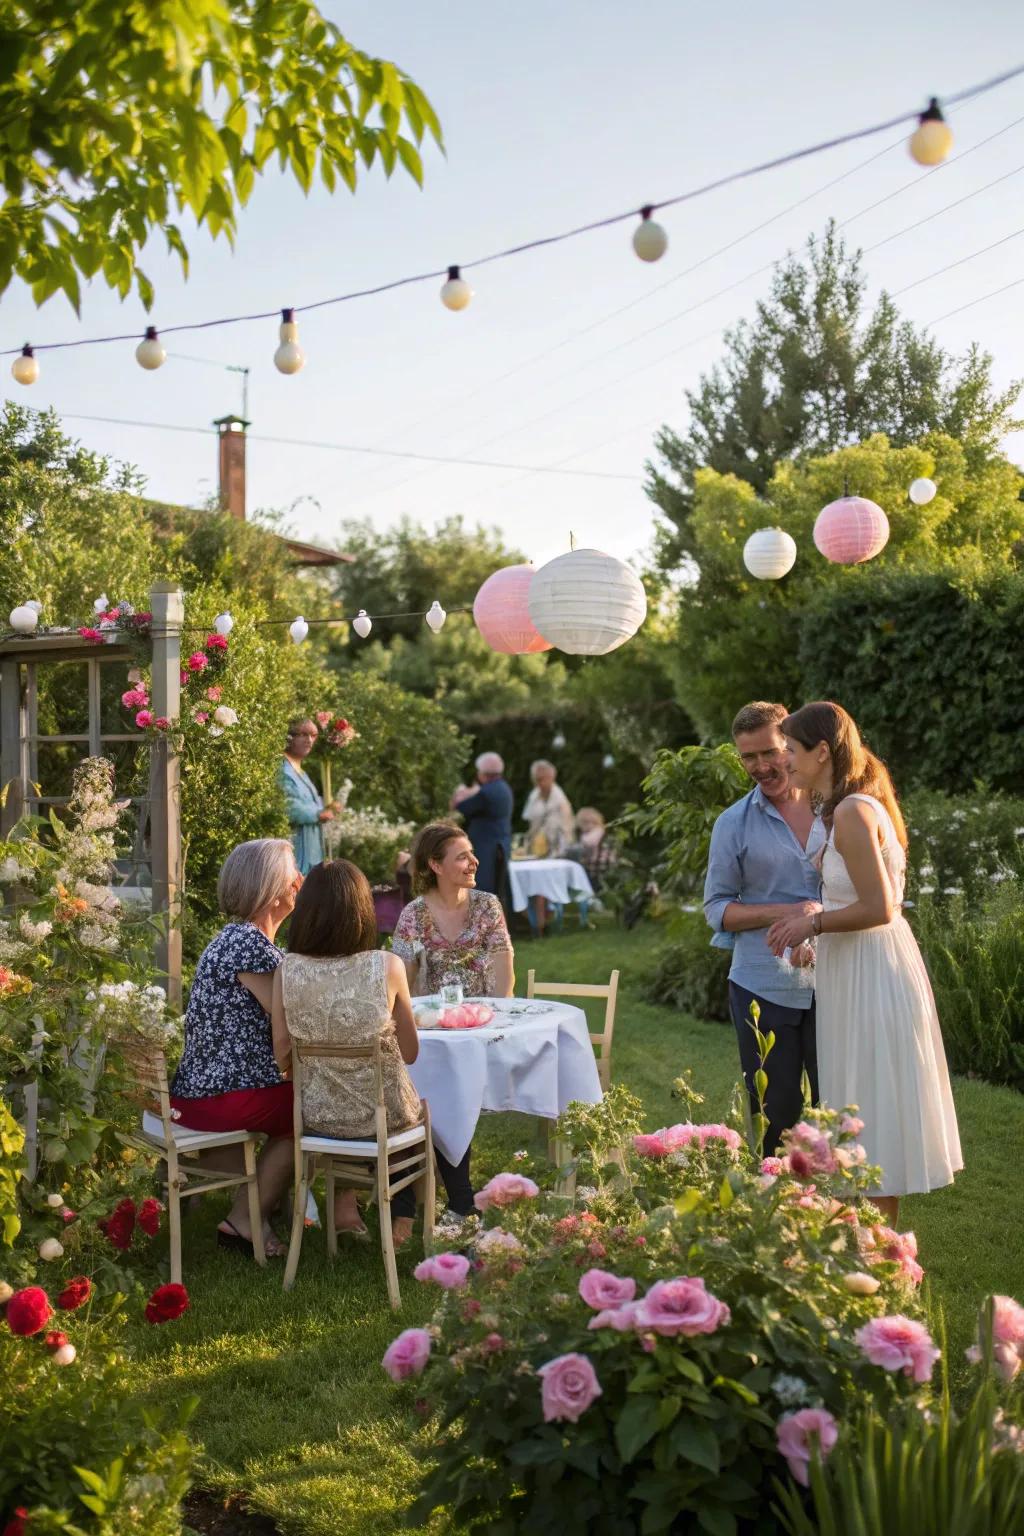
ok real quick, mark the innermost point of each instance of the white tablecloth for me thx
(560, 880)
(535, 1061)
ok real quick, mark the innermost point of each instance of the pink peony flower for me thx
(201, 716)
(600, 1289)
(850, 1125)
(899, 1344)
(323, 717)
(621, 1318)
(184, 676)
(161, 723)
(408, 1354)
(799, 1432)
(214, 695)
(681, 1306)
(809, 1151)
(493, 1342)
(653, 1145)
(505, 1189)
(144, 719)
(570, 1385)
(1007, 1336)
(135, 698)
(898, 1248)
(216, 642)
(448, 1270)
(198, 661)
(773, 1166)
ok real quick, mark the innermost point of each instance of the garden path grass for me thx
(295, 1411)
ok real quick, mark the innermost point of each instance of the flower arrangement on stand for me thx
(370, 840)
(704, 1329)
(336, 733)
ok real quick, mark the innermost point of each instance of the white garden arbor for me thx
(157, 850)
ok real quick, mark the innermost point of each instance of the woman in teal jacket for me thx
(306, 810)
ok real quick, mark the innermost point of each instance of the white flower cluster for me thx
(11, 870)
(791, 1391)
(11, 947)
(127, 1008)
(33, 933)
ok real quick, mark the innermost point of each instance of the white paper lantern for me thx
(362, 623)
(435, 616)
(769, 553)
(587, 603)
(298, 629)
(24, 619)
(223, 623)
(922, 491)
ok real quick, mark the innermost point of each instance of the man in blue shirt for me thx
(487, 813)
(760, 869)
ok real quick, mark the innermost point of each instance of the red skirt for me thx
(268, 1110)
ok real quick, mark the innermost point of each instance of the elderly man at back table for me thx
(487, 812)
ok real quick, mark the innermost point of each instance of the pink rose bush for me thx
(599, 1289)
(896, 1248)
(682, 1306)
(448, 1270)
(570, 1385)
(408, 1354)
(1007, 1318)
(798, 1433)
(505, 1189)
(676, 1138)
(899, 1343)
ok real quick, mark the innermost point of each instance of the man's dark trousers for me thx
(794, 1052)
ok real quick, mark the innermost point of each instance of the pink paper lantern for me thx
(502, 616)
(851, 530)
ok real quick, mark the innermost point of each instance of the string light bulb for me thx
(362, 624)
(650, 240)
(558, 741)
(149, 353)
(435, 616)
(24, 618)
(298, 629)
(608, 761)
(922, 491)
(456, 292)
(932, 139)
(223, 623)
(289, 357)
(25, 368)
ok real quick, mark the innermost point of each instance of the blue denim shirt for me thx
(756, 858)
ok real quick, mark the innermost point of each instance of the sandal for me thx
(234, 1242)
(360, 1234)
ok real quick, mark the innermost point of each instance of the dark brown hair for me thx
(754, 717)
(334, 913)
(429, 843)
(855, 770)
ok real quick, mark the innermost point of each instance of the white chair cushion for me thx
(328, 1145)
(185, 1138)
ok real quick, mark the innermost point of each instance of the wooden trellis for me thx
(160, 811)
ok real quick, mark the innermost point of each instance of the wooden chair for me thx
(571, 989)
(178, 1144)
(384, 1165)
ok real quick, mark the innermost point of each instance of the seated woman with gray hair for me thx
(228, 1079)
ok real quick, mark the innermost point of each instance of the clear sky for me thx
(556, 112)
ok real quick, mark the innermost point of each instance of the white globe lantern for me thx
(650, 241)
(149, 353)
(224, 624)
(456, 292)
(34, 603)
(298, 629)
(24, 619)
(362, 623)
(587, 603)
(932, 140)
(922, 491)
(25, 368)
(769, 553)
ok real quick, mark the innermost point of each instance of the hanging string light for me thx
(25, 368)
(456, 292)
(289, 357)
(650, 241)
(932, 139)
(435, 616)
(362, 624)
(298, 629)
(922, 491)
(149, 353)
(223, 624)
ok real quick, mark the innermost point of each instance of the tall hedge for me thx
(933, 672)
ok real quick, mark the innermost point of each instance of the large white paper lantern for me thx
(587, 603)
(922, 491)
(769, 553)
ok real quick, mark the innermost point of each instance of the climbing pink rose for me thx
(600, 1289)
(653, 1145)
(681, 1306)
(214, 694)
(162, 723)
(570, 1385)
(621, 1318)
(1007, 1336)
(144, 719)
(798, 1432)
(201, 716)
(505, 1189)
(448, 1270)
(898, 1248)
(408, 1354)
(135, 698)
(198, 661)
(809, 1151)
(899, 1344)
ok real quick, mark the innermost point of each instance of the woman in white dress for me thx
(550, 818)
(879, 1041)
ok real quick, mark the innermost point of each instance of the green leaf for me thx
(410, 158)
(725, 1195)
(637, 1423)
(716, 1520)
(695, 1441)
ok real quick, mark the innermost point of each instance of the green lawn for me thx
(295, 1411)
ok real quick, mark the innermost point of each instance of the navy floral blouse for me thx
(228, 1044)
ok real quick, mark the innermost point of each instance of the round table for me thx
(535, 1057)
(559, 880)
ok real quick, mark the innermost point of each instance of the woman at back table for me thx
(451, 932)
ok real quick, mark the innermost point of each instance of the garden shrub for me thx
(635, 1366)
(689, 973)
(963, 845)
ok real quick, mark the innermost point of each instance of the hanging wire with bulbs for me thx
(928, 145)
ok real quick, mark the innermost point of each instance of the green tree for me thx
(119, 117)
(812, 372)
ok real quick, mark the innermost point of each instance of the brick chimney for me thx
(231, 463)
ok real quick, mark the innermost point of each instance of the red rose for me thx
(119, 1227)
(166, 1303)
(197, 661)
(17, 1525)
(29, 1311)
(149, 1217)
(75, 1294)
(56, 1340)
(68, 1215)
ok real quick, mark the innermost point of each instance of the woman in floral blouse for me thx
(453, 933)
